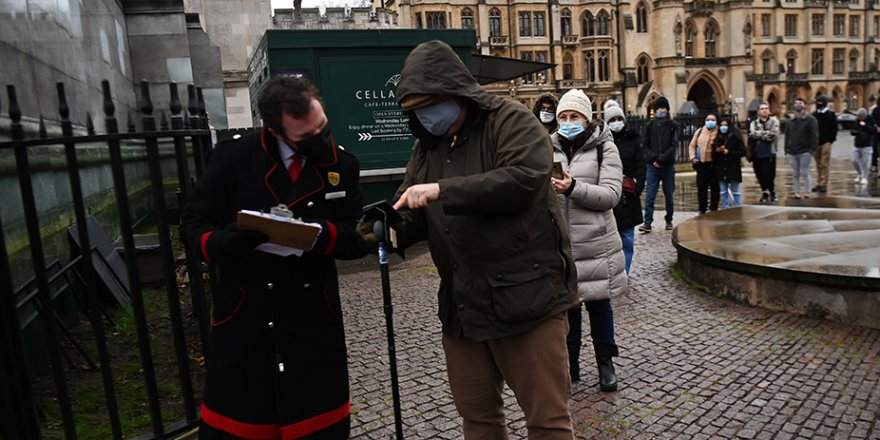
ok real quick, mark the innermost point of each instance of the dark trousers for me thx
(707, 186)
(765, 171)
(654, 178)
(601, 323)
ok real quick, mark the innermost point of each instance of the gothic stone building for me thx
(723, 55)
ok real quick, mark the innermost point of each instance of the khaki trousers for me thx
(535, 366)
(822, 156)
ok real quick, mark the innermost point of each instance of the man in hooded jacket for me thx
(477, 187)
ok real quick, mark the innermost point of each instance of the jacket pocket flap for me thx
(514, 272)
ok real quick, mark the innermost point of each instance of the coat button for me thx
(310, 204)
(461, 307)
(535, 266)
(499, 276)
(447, 230)
(306, 285)
(271, 324)
(448, 160)
(270, 286)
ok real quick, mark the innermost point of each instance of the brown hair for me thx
(284, 94)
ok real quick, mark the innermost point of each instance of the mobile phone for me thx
(556, 171)
(382, 210)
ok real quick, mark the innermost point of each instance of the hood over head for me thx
(433, 69)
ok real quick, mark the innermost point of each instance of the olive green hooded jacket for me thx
(496, 233)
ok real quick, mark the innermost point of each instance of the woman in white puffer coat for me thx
(589, 190)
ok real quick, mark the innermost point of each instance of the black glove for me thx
(365, 229)
(231, 244)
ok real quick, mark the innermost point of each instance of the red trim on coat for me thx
(316, 423)
(248, 431)
(204, 245)
(331, 242)
(234, 312)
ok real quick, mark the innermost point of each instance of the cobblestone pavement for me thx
(691, 365)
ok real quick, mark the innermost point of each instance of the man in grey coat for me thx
(801, 141)
(477, 187)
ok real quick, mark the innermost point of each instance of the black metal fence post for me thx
(194, 267)
(91, 280)
(18, 419)
(39, 263)
(167, 256)
(195, 123)
(137, 299)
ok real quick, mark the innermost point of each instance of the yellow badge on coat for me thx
(333, 178)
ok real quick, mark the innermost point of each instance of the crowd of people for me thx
(552, 196)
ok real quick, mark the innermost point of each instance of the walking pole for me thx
(379, 230)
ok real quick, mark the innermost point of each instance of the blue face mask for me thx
(723, 128)
(570, 130)
(439, 117)
(710, 124)
(661, 114)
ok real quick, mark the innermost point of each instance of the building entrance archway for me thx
(706, 96)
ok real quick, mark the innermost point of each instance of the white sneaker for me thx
(864, 181)
(857, 180)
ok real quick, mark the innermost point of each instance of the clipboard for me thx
(287, 232)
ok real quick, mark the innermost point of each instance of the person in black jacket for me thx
(545, 111)
(659, 145)
(277, 364)
(727, 152)
(865, 132)
(628, 212)
(827, 135)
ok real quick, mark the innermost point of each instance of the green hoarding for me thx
(357, 72)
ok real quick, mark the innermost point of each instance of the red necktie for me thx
(295, 168)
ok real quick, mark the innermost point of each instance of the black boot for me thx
(574, 369)
(607, 376)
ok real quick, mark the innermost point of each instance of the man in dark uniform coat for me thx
(277, 365)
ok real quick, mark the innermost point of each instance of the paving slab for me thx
(691, 365)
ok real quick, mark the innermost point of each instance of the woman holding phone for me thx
(589, 190)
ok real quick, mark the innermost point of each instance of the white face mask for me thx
(546, 117)
(616, 126)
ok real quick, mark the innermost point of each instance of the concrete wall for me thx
(75, 42)
(849, 305)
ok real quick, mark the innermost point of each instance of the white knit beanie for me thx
(613, 110)
(576, 100)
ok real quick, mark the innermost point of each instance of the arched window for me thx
(710, 33)
(876, 59)
(767, 62)
(588, 24)
(566, 22)
(791, 61)
(689, 33)
(641, 17)
(604, 66)
(643, 69)
(853, 60)
(494, 23)
(602, 20)
(589, 66)
(567, 66)
(467, 18)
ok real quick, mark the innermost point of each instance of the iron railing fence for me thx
(22, 414)
(687, 123)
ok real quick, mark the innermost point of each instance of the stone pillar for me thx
(159, 44)
(483, 13)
